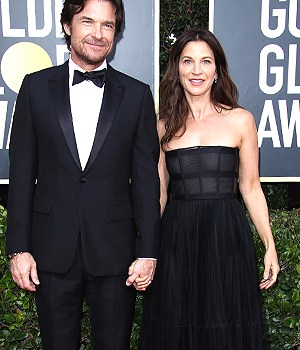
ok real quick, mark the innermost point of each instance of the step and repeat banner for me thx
(261, 41)
(31, 39)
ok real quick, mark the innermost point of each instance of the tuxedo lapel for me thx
(113, 93)
(59, 87)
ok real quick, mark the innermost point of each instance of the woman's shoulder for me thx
(244, 124)
(241, 116)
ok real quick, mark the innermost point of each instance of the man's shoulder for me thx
(124, 78)
(49, 71)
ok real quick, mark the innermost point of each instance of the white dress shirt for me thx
(86, 100)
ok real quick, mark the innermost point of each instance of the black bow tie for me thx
(97, 77)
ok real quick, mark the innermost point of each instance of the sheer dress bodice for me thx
(203, 172)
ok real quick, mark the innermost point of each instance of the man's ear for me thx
(67, 29)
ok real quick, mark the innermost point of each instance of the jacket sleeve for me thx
(145, 180)
(22, 174)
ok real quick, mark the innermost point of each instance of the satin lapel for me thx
(59, 87)
(110, 104)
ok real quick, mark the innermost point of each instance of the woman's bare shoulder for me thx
(242, 117)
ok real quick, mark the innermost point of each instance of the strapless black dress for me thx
(205, 293)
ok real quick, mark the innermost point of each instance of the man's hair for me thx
(72, 7)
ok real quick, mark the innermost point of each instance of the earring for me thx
(216, 80)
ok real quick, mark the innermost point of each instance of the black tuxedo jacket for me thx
(113, 203)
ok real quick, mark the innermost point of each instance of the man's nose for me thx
(98, 31)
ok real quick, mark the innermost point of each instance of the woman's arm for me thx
(162, 170)
(254, 198)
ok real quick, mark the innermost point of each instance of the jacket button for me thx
(83, 180)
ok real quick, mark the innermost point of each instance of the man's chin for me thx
(90, 61)
(92, 57)
(96, 53)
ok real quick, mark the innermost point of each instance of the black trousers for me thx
(59, 299)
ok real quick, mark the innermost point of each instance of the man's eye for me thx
(109, 26)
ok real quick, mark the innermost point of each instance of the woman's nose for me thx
(197, 68)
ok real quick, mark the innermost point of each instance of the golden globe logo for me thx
(21, 59)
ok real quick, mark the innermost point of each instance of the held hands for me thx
(24, 272)
(271, 269)
(141, 273)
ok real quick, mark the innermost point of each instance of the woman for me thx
(206, 292)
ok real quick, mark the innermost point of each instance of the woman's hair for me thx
(72, 7)
(173, 106)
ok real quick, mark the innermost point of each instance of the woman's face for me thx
(197, 69)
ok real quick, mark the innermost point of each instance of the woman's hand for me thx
(271, 269)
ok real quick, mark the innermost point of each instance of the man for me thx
(84, 188)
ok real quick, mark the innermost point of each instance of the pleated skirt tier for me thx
(205, 294)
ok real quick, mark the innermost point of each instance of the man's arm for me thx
(22, 176)
(145, 192)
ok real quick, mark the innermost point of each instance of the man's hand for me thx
(24, 272)
(141, 273)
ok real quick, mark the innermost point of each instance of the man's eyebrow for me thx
(86, 18)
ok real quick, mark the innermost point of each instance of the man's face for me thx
(92, 34)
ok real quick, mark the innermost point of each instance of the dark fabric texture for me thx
(205, 293)
(59, 300)
(113, 202)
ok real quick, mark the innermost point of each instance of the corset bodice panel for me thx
(203, 172)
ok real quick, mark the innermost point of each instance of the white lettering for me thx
(292, 88)
(293, 16)
(265, 20)
(58, 7)
(9, 131)
(9, 32)
(277, 71)
(268, 115)
(32, 25)
(62, 54)
(294, 125)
